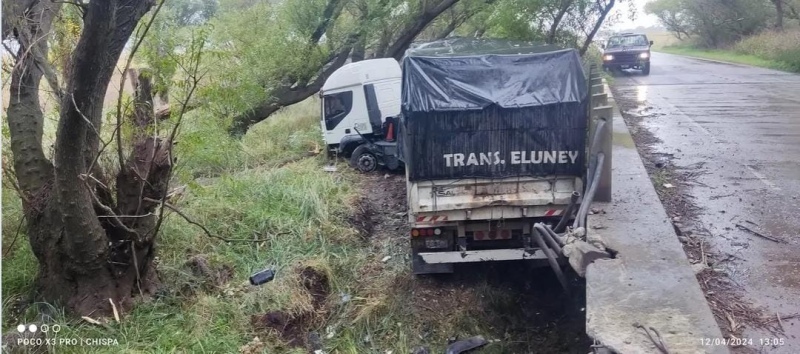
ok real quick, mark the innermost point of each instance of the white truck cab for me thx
(356, 100)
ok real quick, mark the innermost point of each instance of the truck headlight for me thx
(644, 55)
(608, 57)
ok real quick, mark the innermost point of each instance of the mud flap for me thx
(419, 267)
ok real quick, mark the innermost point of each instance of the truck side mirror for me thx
(651, 42)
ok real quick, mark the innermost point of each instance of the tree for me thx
(93, 235)
(715, 22)
(447, 23)
(603, 8)
(323, 36)
(563, 9)
(673, 15)
(779, 14)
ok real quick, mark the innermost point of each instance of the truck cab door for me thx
(373, 110)
(335, 108)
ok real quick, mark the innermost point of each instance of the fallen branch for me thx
(113, 216)
(745, 228)
(657, 341)
(205, 230)
(16, 234)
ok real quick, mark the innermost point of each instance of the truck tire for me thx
(646, 69)
(364, 160)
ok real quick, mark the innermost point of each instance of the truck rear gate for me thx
(492, 144)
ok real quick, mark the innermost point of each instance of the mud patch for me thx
(522, 308)
(381, 210)
(294, 328)
(362, 219)
(207, 277)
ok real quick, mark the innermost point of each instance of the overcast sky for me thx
(642, 19)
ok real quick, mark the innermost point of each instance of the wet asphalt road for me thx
(738, 129)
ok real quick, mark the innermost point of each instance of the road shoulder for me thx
(650, 282)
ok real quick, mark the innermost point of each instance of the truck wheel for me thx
(646, 69)
(363, 160)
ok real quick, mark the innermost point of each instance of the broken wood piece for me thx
(114, 308)
(91, 320)
(745, 228)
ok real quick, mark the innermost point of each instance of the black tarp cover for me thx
(493, 116)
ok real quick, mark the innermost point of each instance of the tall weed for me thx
(783, 47)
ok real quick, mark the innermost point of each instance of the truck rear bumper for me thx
(480, 256)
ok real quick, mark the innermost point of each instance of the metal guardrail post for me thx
(597, 99)
(606, 112)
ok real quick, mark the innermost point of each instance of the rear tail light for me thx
(426, 232)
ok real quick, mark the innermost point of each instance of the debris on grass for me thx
(262, 277)
(210, 278)
(293, 327)
(255, 346)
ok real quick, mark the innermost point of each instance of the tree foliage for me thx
(715, 22)
(270, 54)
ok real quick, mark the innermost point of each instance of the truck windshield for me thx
(336, 107)
(627, 41)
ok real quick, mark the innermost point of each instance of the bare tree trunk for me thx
(604, 10)
(451, 26)
(143, 107)
(286, 96)
(295, 92)
(359, 51)
(29, 22)
(779, 14)
(87, 255)
(551, 34)
(413, 29)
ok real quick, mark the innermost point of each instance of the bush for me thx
(783, 47)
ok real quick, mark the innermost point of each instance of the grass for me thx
(773, 50)
(267, 186)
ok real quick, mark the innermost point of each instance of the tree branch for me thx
(563, 9)
(195, 223)
(108, 26)
(285, 96)
(604, 10)
(195, 56)
(122, 81)
(29, 22)
(414, 28)
(327, 19)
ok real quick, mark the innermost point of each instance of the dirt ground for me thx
(525, 304)
(518, 308)
(732, 312)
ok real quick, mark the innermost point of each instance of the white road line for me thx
(763, 178)
(715, 140)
